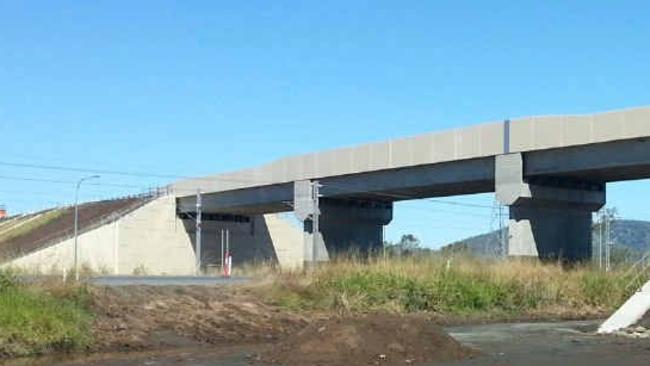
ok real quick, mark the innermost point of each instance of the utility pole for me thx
(199, 207)
(600, 239)
(76, 224)
(605, 241)
(608, 241)
(315, 218)
(222, 249)
(228, 242)
(383, 241)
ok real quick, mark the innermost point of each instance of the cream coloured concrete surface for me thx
(525, 134)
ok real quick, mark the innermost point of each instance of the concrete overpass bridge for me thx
(551, 171)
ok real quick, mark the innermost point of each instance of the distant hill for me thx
(631, 239)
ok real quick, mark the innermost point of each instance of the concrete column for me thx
(550, 217)
(344, 225)
(354, 225)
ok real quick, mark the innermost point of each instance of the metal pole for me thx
(228, 255)
(315, 219)
(76, 224)
(505, 225)
(600, 240)
(222, 247)
(198, 231)
(607, 240)
(383, 241)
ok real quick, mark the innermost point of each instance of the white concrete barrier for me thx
(630, 313)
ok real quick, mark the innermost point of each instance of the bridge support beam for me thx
(549, 217)
(343, 225)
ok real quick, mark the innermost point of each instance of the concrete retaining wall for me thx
(153, 240)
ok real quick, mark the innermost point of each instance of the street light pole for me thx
(76, 223)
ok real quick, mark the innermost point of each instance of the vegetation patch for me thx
(26, 225)
(42, 319)
(461, 286)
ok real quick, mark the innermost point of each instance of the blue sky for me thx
(198, 87)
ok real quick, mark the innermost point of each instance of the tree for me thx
(409, 243)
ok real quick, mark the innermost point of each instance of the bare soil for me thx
(378, 339)
(143, 317)
(146, 318)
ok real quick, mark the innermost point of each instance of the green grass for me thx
(39, 320)
(22, 227)
(461, 287)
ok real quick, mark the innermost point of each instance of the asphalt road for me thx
(166, 280)
(549, 344)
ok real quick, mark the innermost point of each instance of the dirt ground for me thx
(378, 339)
(143, 318)
(201, 326)
(208, 326)
(538, 344)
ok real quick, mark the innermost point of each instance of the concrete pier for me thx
(549, 218)
(344, 225)
(354, 225)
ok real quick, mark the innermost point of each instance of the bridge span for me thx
(551, 171)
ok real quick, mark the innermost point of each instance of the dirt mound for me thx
(378, 339)
(143, 317)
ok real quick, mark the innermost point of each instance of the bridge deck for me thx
(601, 147)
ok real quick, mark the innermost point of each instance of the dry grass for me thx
(459, 286)
(23, 226)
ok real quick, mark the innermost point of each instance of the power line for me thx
(405, 197)
(137, 174)
(57, 181)
(89, 170)
(456, 203)
(141, 174)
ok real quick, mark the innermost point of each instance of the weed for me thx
(468, 287)
(40, 319)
